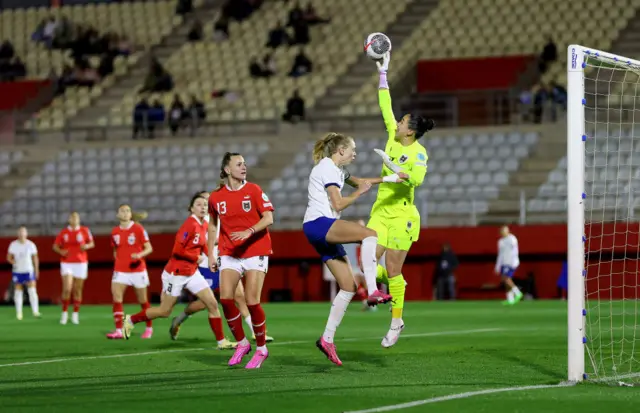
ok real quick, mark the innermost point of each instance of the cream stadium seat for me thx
(476, 28)
(199, 68)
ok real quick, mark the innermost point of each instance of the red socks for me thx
(259, 321)
(234, 320)
(65, 305)
(118, 313)
(76, 305)
(140, 317)
(216, 326)
(145, 307)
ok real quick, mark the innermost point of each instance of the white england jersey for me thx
(205, 259)
(323, 175)
(508, 252)
(22, 253)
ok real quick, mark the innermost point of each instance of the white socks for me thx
(338, 308)
(248, 322)
(33, 300)
(17, 299)
(369, 262)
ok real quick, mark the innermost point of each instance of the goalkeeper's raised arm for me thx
(384, 97)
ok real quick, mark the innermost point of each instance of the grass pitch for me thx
(446, 349)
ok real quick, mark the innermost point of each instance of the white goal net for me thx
(603, 212)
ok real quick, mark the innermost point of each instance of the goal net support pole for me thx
(575, 212)
(594, 80)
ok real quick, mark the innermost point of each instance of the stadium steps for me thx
(627, 43)
(532, 173)
(360, 72)
(135, 78)
(34, 159)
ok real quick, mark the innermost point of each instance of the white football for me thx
(376, 45)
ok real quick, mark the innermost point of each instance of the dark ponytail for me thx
(420, 125)
(225, 162)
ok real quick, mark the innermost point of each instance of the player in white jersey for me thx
(506, 264)
(23, 256)
(327, 232)
(213, 279)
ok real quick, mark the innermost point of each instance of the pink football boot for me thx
(115, 335)
(378, 297)
(257, 359)
(241, 351)
(148, 332)
(329, 350)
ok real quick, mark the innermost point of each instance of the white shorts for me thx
(240, 265)
(174, 284)
(133, 279)
(78, 270)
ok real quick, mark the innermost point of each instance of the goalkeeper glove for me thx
(384, 66)
(387, 161)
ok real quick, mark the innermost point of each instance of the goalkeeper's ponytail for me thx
(329, 145)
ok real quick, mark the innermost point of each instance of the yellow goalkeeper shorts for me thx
(396, 233)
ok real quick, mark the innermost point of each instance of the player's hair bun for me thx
(420, 125)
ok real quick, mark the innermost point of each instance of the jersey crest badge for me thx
(403, 159)
(131, 239)
(79, 238)
(265, 197)
(421, 157)
(246, 206)
(65, 237)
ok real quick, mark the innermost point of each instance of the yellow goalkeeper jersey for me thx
(395, 200)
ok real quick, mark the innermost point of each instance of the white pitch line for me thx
(282, 343)
(457, 396)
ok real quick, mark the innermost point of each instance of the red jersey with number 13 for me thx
(190, 243)
(238, 211)
(127, 241)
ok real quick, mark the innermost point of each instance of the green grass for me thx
(446, 348)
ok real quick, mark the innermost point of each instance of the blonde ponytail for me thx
(329, 145)
(139, 215)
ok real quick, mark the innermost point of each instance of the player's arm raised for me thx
(384, 97)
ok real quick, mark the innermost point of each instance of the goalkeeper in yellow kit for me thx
(394, 216)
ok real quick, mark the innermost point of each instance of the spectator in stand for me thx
(540, 98)
(296, 14)
(311, 17)
(123, 45)
(12, 69)
(238, 10)
(278, 36)
(49, 30)
(176, 114)
(302, 65)
(256, 69)
(64, 34)
(444, 280)
(7, 51)
(221, 29)
(158, 79)
(106, 63)
(196, 31)
(269, 65)
(196, 113)
(548, 56)
(141, 118)
(300, 33)
(184, 7)
(295, 109)
(157, 116)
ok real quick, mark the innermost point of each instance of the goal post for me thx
(575, 212)
(603, 237)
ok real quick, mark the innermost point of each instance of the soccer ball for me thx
(376, 45)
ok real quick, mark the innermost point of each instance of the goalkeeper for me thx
(394, 216)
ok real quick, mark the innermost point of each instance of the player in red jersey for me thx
(131, 245)
(72, 244)
(245, 213)
(213, 279)
(182, 272)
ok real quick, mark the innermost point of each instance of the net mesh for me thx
(612, 201)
